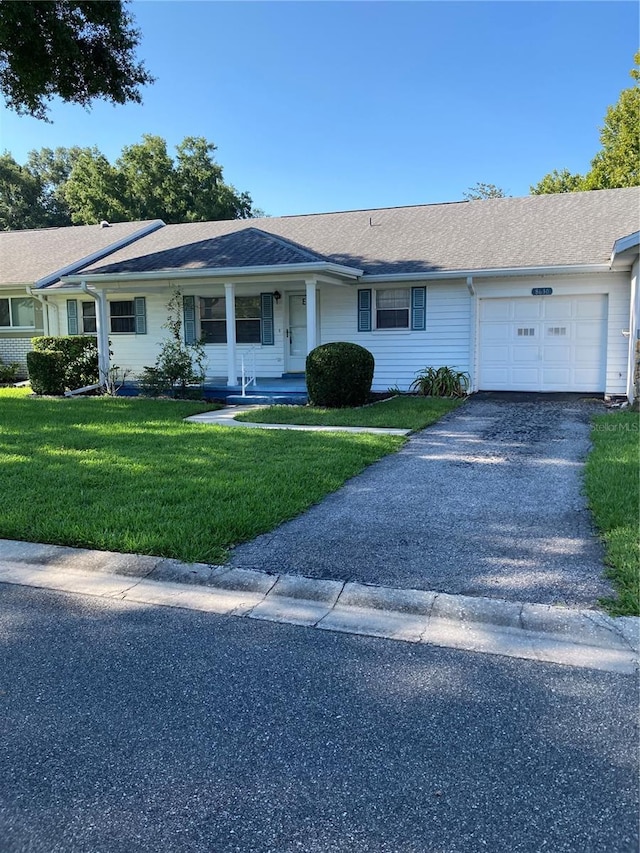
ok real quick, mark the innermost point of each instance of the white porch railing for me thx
(248, 361)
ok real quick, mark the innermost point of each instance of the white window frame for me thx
(375, 326)
(12, 326)
(131, 316)
(223, 323)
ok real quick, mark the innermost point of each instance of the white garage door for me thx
(548, 343)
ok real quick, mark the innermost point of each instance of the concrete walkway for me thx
(530, 631)
(226, 417)
(487, 502)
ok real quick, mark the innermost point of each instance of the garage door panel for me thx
(556, 309)
(526, 354)
(543, 343)
(496, 309)
(527, 310)
(524, 376)
(497, 355)
(589, 308)
(556, 376)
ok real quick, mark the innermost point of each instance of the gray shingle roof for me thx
(28, 257)
(189, 247)
(548, 230)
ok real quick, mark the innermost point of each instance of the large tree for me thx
(79, 51)
(80, 186)
(65, 186)
(19, 193)
(617, 164)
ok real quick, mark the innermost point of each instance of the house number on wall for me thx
(541, 291)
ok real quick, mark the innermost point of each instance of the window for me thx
(89, 318)
(17, 312)
(213, 323)
(248, 319)
(392, 308)
(123, 317)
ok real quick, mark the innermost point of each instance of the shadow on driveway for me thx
(488, 501)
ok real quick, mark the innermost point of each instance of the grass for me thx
(612, 486)
(398, 413)
(129, 475)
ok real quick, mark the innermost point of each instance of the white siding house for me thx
(528, 294)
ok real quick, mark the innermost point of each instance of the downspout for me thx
(101, 332)
(473, 336)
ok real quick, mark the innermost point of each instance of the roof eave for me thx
(214, 272)
(489, 272)
(149, 228)
(625, 251)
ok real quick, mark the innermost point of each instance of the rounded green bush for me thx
(339, 375)
(46, 372)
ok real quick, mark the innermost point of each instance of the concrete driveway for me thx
(486, 502)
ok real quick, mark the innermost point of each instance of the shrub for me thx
(178, 364)
(8, 372)
(441, 382)
(339, 375)
(80, 355)
(46, 372)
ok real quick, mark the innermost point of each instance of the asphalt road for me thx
(144, 729)
(487, 502)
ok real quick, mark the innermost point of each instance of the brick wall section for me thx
(16, 349)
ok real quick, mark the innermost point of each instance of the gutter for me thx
(101, 253)
(499, 272)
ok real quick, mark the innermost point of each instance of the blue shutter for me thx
(364, 310)
(419, 308)
(189, 314)
(72, 316)
(267, 337)
(140, 314)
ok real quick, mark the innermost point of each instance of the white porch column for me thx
(311, 314)
(230, 310)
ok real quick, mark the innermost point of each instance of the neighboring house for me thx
(528, 294)
(31, 260)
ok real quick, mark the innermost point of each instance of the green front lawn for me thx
(612, 485)
(128, 474)
(398, 413)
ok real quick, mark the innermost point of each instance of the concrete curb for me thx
(226, 417)
(582, 638)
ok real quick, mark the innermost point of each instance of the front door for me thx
(296, 337)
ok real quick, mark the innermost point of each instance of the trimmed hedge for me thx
(80, 358)
(339, 375)
(46, 372)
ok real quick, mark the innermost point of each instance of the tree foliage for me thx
(617, 164)
(481, 191)
(79, 51)
(80, 186)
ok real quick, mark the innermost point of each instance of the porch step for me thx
(267, 399)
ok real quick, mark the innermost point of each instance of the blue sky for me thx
(318, 106)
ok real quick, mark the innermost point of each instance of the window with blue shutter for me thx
(364, 310)
(419, 308)
(72, 316)
(140, 314)
(189, 316)
(266, 309)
